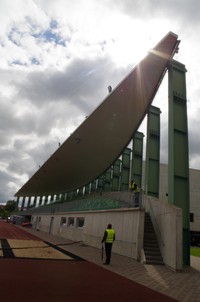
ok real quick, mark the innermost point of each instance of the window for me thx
(63, 221)
(191, 217)
(80, 222)
(70, 222)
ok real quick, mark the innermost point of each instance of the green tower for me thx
(178, 158)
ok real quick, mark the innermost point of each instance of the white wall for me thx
(194, 193)
(194, 199)
(128, 225)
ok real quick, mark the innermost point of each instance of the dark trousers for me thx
(137, 199)
(108, 249)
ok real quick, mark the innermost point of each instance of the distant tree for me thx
(1, 211)
(4, 213)
(11, 206)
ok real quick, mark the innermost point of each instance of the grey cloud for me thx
(10, 121)
(184, 11)
(80, 82)
(6, 192)
(52, 85)
(194, 138)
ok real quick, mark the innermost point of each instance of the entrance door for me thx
(51, 225)
(36, 223)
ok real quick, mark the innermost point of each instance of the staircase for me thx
(151, 247)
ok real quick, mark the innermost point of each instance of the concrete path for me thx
(183, 286)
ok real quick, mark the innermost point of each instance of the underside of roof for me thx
(102, 137)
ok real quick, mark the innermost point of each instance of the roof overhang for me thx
(102, 137)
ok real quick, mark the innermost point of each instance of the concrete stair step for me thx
(154, 262)
(150, 241)
(152, 253)
(150, 235)
(153, 258)
(149, 230)
(151, 247)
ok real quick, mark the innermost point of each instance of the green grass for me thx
(195, 251)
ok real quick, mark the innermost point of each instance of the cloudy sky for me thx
(57, 58)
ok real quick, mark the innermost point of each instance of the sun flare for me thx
(131, 40)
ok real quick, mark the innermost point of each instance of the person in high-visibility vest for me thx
(134, 187)
(108, 238)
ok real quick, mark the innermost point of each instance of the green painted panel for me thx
(117, 167)
(137, 167)
(181, 196)
(115, 183)
(178, 162)
(101, 181)
(180, 123)
(126, 158)
(80, 191)
(179, 82)
(137, 157)
(153, 152)
(108, 175)
(180, 154)
(154, 147)
(94, 186)
(87, 189)
(125, 177)
(154, 181)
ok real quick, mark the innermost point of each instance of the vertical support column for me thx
(152, 166)
(101, 183)
(137, 155)
(80, 191)
(178, 174)
(62, 196)
(65, 196)
(23, 203)
(17, 201)
(74, 194)
(57, 197)
(70, 195)
(29, 202)
(125, 172)
(116, 175)
(35, 201)
(87, 189)
(94, 186)
(40, 201)
(107, 180)
(46, 200)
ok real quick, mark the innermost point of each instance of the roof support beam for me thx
(152, 166)
(178, 161)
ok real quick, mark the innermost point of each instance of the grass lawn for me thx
(195, 251)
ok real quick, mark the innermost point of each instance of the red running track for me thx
(10, 231)
(35, 280)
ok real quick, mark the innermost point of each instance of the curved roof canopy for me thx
(101, 138)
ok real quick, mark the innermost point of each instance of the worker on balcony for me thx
(134, 187)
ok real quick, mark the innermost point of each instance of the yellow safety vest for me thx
(133, 188)
(110, 235)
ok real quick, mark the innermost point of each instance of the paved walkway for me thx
(183, 286)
